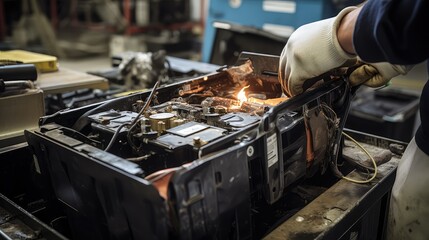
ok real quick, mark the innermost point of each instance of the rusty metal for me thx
(344, 206)
(17, 223)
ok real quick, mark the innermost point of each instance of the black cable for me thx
(113, 139)
(144, 108)
(146, 105)
(83, 120)
(116, 103)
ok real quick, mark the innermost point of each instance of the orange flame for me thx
(241, 96)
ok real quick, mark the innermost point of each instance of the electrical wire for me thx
(113, 139)
(141, 158)
(144, 108)
(368, 154)
(331, 118)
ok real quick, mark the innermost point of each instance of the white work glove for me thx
(312, 50)
(376, 74)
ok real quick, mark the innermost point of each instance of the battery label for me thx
(190, 130)
(272, 153)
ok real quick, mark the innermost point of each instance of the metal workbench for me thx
(346, 210)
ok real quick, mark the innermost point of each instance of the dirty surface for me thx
(14, 228)
(320, 218)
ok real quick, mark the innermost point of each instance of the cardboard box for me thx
(19, 112)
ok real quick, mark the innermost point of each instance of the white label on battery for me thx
(190, 130)
(272, 154)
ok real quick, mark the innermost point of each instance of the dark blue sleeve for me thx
(396, 31)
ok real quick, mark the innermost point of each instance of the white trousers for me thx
(409, 205)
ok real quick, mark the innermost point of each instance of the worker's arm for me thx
(375, 74)
(394, 31)
(312, 50)
(318, 47)
(391, 31)
(346, 29)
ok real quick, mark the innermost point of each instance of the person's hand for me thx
(311, 50)
(376, 74)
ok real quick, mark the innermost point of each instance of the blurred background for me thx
(102, 37)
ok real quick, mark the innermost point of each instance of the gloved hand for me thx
(312, 50)
(376, 74)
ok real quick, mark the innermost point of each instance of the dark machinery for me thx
(194, 159)
(15, 77)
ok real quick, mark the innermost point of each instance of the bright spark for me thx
(241, 96)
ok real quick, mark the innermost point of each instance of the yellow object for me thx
(43, 63)
(370, 157)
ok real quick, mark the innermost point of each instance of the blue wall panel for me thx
(251, 13)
